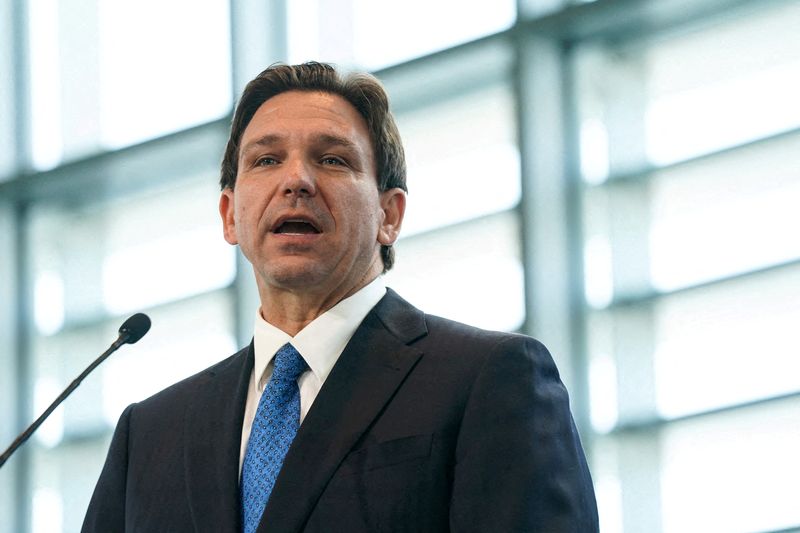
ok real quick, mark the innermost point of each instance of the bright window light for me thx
(598, 272)
(690, 123)
(594, 151)
(172, 267)
(47, 513)
(45, 84)
(375, 34)
(721, 239)
(48, 302)
(603, 388)
(164, 66)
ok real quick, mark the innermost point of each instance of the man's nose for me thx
(298, 179)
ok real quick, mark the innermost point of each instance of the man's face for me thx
(306, 210)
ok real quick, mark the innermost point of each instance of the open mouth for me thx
(296, 227)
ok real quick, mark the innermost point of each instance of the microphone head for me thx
(134, 328)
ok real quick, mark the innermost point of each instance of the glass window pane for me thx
(164, 83)
(732, 472)
(63, 479)
(598, 259)
(725, 215)
(373, 35)
(725, 85)
(730, 343)
(471, 272)
(735, 472)
(123, 255)
(603, 386)
(697, 222)
(97, 84)
(463, 160)
(10, 382)
(721, 345)
(671, 97)
(7, 126)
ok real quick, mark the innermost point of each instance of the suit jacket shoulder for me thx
(173, 460)
(426, 424)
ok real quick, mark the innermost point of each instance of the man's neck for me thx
(292, 310)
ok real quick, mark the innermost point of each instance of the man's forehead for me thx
(307, 105)
(306, 109)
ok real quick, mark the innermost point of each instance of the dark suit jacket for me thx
(423, 424)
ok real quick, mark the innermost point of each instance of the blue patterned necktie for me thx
(274, 427)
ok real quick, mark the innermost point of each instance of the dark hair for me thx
(363, 91)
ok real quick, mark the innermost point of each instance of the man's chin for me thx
(297, 276)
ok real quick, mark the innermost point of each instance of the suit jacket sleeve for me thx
(106, 511)
(519, 462)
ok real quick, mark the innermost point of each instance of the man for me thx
(351, 410)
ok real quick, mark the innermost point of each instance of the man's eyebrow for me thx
(264, 140)
(327, 139)
(324, 139)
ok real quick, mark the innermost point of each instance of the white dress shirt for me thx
(320, 343)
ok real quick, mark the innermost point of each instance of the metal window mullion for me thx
(23, 326)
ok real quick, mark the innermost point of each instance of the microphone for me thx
(130, 332)
(134, 328)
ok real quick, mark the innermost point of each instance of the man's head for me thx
(362, 91)
(313, 184)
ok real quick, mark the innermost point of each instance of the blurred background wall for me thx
(619, 178)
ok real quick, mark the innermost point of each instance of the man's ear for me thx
(226, 211)
(393, 205)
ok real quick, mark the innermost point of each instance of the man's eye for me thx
(332, 160)
(266, 161)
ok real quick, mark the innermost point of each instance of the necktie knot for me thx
(289, 364)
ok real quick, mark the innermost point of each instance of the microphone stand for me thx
(131, 331)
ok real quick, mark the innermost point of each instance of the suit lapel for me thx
(212, 436)
(367, 374)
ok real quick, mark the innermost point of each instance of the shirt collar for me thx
(322, 341)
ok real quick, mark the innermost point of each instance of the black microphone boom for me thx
(130, 331)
